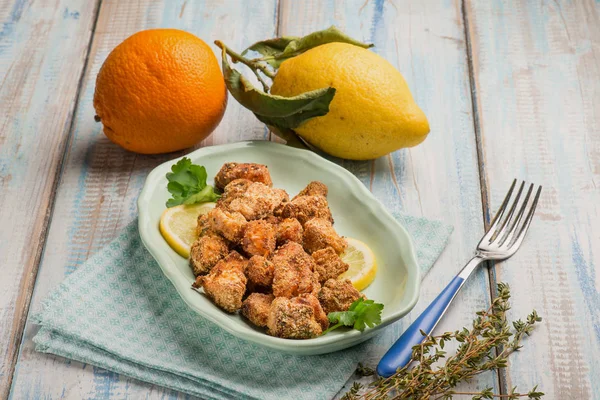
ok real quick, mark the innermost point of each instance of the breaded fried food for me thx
(203, 227)
(226, 282)
(328, 264)
(289, 230)
(315, 188)
(259, 272)
(258, 201)
(273, 220)
(206, 252)
(338, 295)
(232, 171)
(298, 318)
(305, 208)
(259, 238)
(293, 272)
(319, 234)
(233, 190)
(256, 308)
(228, 224)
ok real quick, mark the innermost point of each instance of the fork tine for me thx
(527, 222)
(503, 228)
(499, 213)
(507, 239)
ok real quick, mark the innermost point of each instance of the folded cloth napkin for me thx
(119, 312)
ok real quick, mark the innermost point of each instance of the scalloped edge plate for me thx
(357, 214)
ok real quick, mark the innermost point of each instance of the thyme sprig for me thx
(484, 347)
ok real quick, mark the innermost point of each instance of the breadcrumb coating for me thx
(256, 308)
(259, 272)
(259, 238)
(297, 318)
(293, 272)
(338, 295)
(232, 171)
(328, 264)
(258, 201)
(305, 208)
(320, 234)
(289, 230)
(228, 224)
(315, 188)
(206, 252)
(232, 191)
(226, 282)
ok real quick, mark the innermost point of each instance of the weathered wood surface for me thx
(100, 182)
(537, 83)
(43, 46)
(535, 73)
(438, 179)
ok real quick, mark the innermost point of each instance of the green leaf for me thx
(187, 184)
(280, 49)
(206, 195)
(282, 112)
(345, 317)
(361, 314)
(271, 47)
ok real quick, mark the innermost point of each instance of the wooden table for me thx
(511, 89)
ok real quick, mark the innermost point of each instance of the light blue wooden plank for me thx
(100, 182)
(438, 179)
(43, 46)
(537, 79)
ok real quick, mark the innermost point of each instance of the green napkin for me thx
(119, 312)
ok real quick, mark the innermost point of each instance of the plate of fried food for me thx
(278, 246)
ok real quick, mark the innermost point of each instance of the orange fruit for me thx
(159, 91)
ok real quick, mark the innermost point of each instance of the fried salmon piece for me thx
(225, 284)
(320, 234)
(259, 272)
(206, 252)
(289, 230)
(203, 228)
(250, 171)
(256, 308)
(305, 208)
(233, 190)
(293, 274)
(259, 239)
(297, 318)
(338, 295)
(314, 188)
(328, 264)
(258, 201)
(228, 224)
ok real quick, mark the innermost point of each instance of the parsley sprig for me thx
(187, 184)
(362, 313)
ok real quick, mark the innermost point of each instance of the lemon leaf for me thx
(277, 50)
(282, 112)
(271, 47)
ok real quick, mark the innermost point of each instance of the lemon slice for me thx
(361, 260)
(178, 225)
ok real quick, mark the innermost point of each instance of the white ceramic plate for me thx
(356, 212)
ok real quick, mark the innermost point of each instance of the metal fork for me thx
(501, 241)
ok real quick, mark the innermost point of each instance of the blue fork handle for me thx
(400, 354)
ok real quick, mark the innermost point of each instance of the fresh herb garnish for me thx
(362, 313)
(187, 184)
(484, 346)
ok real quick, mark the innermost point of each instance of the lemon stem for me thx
(249, 63)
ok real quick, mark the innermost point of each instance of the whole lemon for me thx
(373, 112)
(159, 91)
